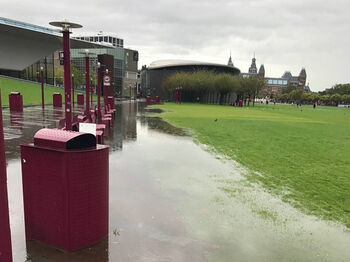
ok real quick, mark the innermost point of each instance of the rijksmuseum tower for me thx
(275, 85)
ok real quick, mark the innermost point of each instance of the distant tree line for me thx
(338, 94)
(209, 87)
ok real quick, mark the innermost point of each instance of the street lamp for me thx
(98, 90)
(42, 87)
(5, 236)
(66, 26)
(91, 91)
(73, 89)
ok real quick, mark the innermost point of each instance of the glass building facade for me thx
(78, 60)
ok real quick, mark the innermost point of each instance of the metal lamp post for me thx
(73, 89)
(42, 87)
(66, 26)
(87, 82)
(5, 235)
(180, 95)
(91, 92)
(98, 90)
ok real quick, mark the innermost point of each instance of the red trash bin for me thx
(156, 99)
(80, 99)
(57, 100)
(65, 189)
(16, 101)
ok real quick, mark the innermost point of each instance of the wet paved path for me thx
(169, 202)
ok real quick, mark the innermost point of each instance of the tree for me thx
(336, 98)
(296, 95)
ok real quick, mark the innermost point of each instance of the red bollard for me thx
(16, 101)
(57, 100)
(80, 99)
(5, 235)
(156, 99)
(65, 189)
(148, 100)
(110, 101)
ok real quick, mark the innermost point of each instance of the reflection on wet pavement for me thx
(168, 203)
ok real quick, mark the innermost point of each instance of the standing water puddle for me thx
(170, 200)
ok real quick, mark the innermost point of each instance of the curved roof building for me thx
(153, 76)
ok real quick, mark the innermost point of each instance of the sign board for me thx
(106, 80)
(61, 57)
(87, 128)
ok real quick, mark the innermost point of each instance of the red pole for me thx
(98, 92)
(42, 88)
(5, 233)
(87, 83)
(91, 92)
(180, 96)
(67, 78)
(73, 89)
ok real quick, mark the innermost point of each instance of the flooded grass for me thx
(303, 150)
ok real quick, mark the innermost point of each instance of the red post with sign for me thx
(106, 86)
(5, 235)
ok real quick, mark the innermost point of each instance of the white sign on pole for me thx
(87, 128)
(106, 80)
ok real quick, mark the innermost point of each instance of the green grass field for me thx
(301, 154)
(31, 92)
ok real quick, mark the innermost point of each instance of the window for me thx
(274, 81)
(110, 39)
(100, 39)
(279, 81)
(96, 39)
(91, 39)
(269, 81)
(105, 39)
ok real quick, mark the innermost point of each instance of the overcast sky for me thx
(284, 34)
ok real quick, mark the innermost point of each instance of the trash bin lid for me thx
(63, 139)
(15, 93)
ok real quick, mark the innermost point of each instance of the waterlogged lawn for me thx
(303, 154)
(31, 92)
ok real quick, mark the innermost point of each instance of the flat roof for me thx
(176, 63)
(23, 44)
